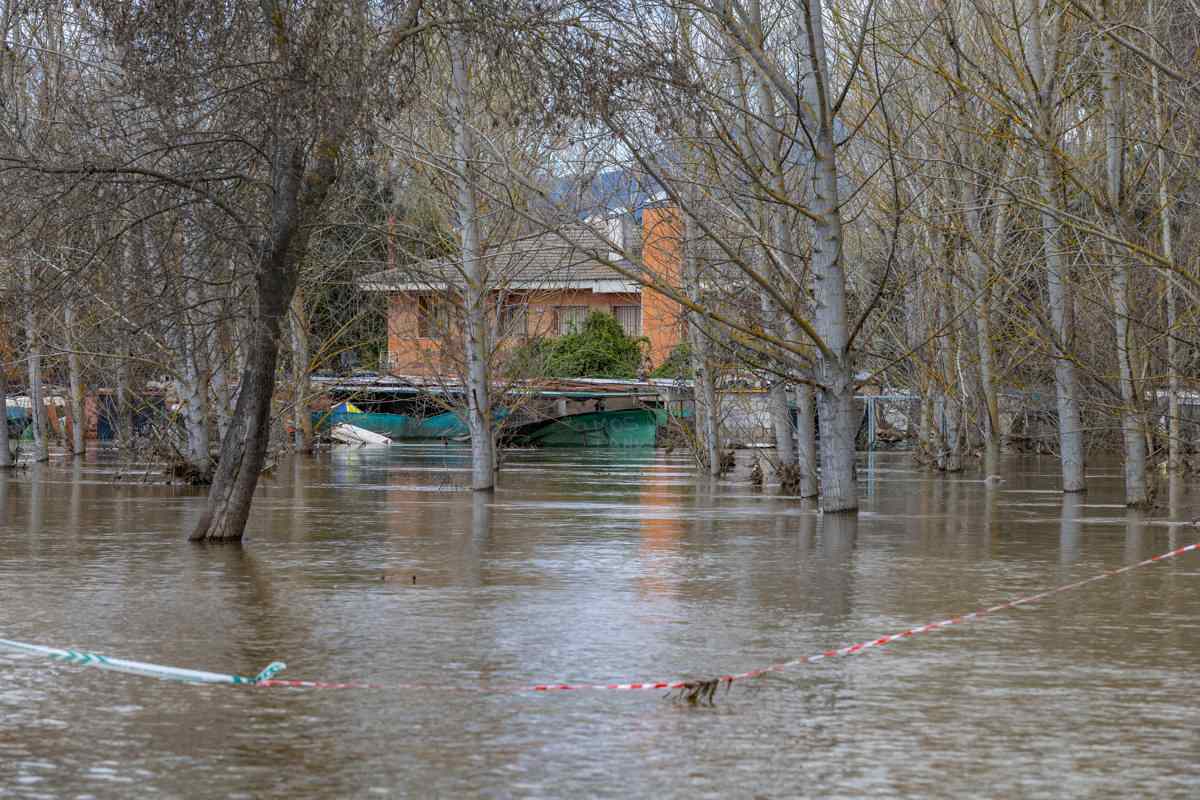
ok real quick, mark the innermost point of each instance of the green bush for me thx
(599, 349)
(678, 364)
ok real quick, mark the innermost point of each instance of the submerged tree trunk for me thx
(301, 358)
(981, 276)
(1043, 61)
(950, 459)
(75, 380)
(781, 422)
(6, 459)
(1070, 421)
(37, 407)
(1132, 427)
(221, 358)
(1174, 423)
(297, 197)
(835, 372)
(708, 415)
(475, 274)
(806, 441)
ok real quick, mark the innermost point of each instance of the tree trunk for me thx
(475, 274)
(951, 458)
(245, 445)
(6, 459)
(1174, 423)
(37, 407)
(708, 415)
(298, 195)
(1070, 422)
(835, 373)
(806, 441)
(75, 379)
(781, 422)
(981, 276)
(122, 411)
(301, 363)
(1043, 62)
(1132, 427)
(221, 358)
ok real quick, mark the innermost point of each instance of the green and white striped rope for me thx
(85, 659)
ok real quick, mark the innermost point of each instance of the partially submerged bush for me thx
(678, 364)
(600, 348)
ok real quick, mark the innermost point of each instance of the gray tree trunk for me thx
(301, 363)
(1132, 426)
(122, 411)
(6, 459)
(298, 196)
(75, 380)
(765, 147)
(37, 407)
(835, 371)
(475, 274)
(222, 357)
(981, 275)
(1043, 61)
(708, 412)
(1174, 423)
(806, 441)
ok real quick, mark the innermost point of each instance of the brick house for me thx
(545, 285)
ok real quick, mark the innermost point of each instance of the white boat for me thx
(346, 433)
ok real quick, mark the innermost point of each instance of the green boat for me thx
(446, 425)
(631, 427)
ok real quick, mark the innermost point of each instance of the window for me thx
(630, 318)
(514, 320)
(433, 316)
(570, 318)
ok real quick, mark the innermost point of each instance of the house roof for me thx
(573, 257)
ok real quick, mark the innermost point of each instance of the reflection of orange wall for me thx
(659, 536)
(663, 255)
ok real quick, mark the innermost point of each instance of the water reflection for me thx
(837, 537)
(596, 566)
(1070, 530)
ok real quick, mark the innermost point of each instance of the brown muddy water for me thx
(598, 566)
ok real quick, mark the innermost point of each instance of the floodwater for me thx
(597, 566)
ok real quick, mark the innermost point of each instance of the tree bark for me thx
(1132, 426)
(475, 274)
(298, 195)
(708, 415)
(122, 412)
(835, 374)
(6, 459)
(1174, 422)
(1043, 63)
(806, 441)
(37, 408)
(75, 380)
(301, 358)
(981, 275)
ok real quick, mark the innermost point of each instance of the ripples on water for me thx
(597, 566)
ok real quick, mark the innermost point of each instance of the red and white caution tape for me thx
(264, 680)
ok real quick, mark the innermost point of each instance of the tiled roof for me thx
(571, 257)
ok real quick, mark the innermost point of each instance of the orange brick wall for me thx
(662, 253)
